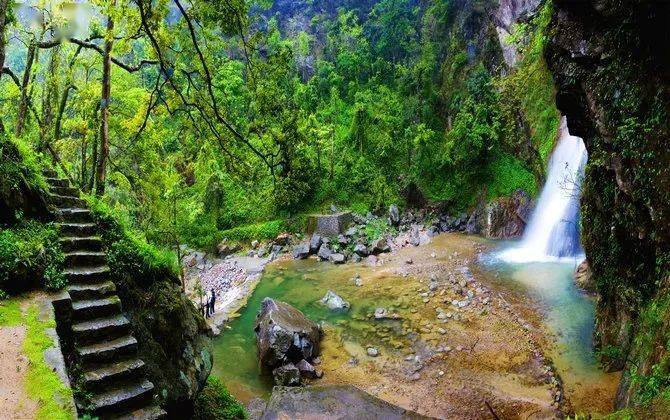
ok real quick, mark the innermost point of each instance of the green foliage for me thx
(30, 255)
(259, 231)
(509, 174)
(215, 402)
(376, 228)
(10, 312)
(128, 252)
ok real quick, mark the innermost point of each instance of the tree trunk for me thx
(49, 96)
(104, 111)
(4, 4)
(23, 104)
(61, 110)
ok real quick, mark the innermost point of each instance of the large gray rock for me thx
(394, 215)
(337, 258)
(380, 245)
(331, 402)
(284, 334)
(414, 236)
(361, 250)
(584, 277)
(287, 375)
(324, 252)
(314, 243)
(301, 251)
(335, 302)
(329, 224)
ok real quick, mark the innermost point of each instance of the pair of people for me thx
(209, 303)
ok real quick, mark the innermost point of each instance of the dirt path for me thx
(13, 368)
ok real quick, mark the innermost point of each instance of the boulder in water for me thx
(584, 277)
(335, 302)
(284, 334)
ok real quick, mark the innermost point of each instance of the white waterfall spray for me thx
(553, 230)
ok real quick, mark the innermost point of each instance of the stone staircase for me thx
(102, 341)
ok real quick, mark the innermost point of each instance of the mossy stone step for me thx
(50, 173)
(73, 215)
(82, 291)
(105, 376)
(107, 351)
(85, 258)
(66, 191)
(152, 412)
(81, 243)
(96, 308)
(100, 329)
(57, 182)
(66, 201)
(123, 398)
(77, 229)
(87, 274)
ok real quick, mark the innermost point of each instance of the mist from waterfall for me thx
(553, 231)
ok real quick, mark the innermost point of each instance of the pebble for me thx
(441, 373)
(442, 331)
(433, 255)
(373, 352)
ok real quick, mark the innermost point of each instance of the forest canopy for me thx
(193, 117)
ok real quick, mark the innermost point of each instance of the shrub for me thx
(264, 230)
(30, 255)
(215, 402)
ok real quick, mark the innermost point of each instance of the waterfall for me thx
(553, 230)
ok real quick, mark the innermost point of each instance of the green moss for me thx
(215, 402)
(42, 383)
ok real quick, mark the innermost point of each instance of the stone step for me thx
(50, 173)
(78, 229)
(83, 291)
(87, 274)
(134, 395)
(85, 258)
(74, 215)
(152, 412)
(85, 243)
(100, 329)
(67, 191)
(66, 201)
(107, 375)
(58, 182)
(107, 351)
(96, 308)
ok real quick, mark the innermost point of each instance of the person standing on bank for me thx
(212, 302)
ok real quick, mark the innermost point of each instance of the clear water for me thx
(568, 314)
(553, 230)
(302, 284)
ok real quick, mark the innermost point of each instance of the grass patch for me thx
(42, 384)
(508, 174)
(10, 313)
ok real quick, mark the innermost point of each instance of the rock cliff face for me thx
(611, 62)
